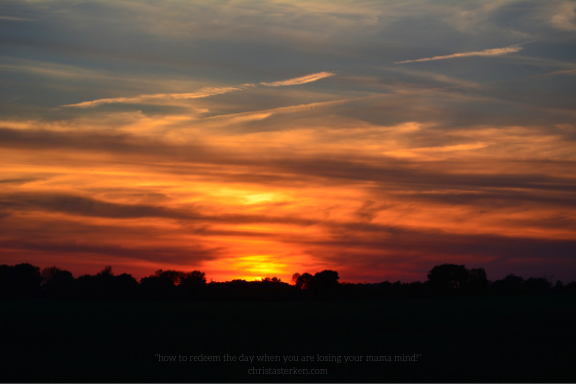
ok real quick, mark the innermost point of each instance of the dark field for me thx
(525, 338)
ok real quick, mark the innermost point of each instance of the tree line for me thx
(28, 281)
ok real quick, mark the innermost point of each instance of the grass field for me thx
(459, 339)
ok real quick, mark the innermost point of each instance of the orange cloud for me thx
(204, 92)
(300, 80)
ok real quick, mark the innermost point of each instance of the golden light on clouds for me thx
(260, 148)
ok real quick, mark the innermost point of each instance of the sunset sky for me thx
(262, 138)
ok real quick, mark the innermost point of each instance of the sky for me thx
(251, 139)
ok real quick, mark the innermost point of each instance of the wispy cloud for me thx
(565, 16)
(13, 18)
(300, 80)
(259, 115)
(204, 92)
(487, 52)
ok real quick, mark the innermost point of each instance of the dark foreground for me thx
(487, 339)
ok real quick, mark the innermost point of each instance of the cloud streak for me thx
(13, 18)
(486, 52)
(204, 92)
(258, 115)
(300, 80)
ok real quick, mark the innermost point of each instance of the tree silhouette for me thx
(104, 285)
(106, 272)
(295, 278)
(57, 282)
(173, 284)
(448, 278)
(178, 277)
(175, 276)
(477, 282)
(558, 287)
(271, 280)
(193, 277)
(5, 280)
(324, 283)
(125, 286)
(570, 288)
(48, 273)
(303, 280)
(537, 286)
(157, 287)
(509, 285)
(21, 280)
(192, 283)
(25, 280)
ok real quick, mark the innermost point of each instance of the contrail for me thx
(487, 52)
(204, 92)
(300, 80)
